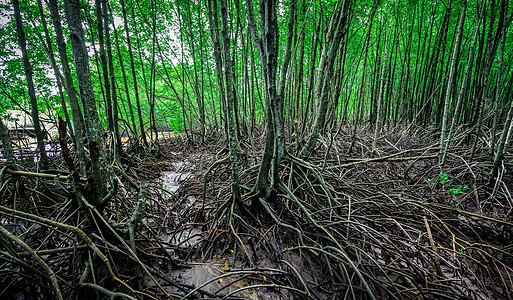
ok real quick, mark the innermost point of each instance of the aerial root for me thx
(373, 235)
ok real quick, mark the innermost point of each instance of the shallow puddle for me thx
(197, 274)
(171, 179)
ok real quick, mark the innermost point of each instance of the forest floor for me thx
(369, 225)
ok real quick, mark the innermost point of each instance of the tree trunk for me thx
(498, 89)
(214, 35)
(197, 93)
(229, 100)
(325, 73)
(76, 113)
(267, 46)
(463, 92)
(125, 80)
(491, 48)
(306, 119)
(115, 105)
(361, 90)
(103, 61)
(379, 106)
(151, 99)
(452, 76)
(49, 48)
(93, 129)
(134, 76)
(30, 84)
(6, 144)
(142, 69)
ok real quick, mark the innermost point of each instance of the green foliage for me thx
(183, 34)
(455, 191)
(444, 180)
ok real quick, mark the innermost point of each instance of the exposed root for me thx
(338, 226)
(361, 227)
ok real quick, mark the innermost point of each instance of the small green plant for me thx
(456, 191)
(443, 179)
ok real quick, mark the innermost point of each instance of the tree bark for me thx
(229, 100)
(6, 143)
(452, 76)
(379, 106)
(325, 73)
(76, 113)
(125, 80)
(134, 76)
(103, 61)
(30, 84)
(49, 49)
(115, 105)
(93, 129)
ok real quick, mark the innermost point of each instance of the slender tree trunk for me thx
(30, 84)
(76, 113)
(306, 119)
(489, 53)
(491, 48)
(461, 95)
(229, 100)
(267, 46)
(430, 84)
(151, 99)
(472, 108)
(498, 89)
(142, 69)
(6, 144)
(49, 48)
(103, 61)
(115, 105)
(452, 76)
(89, 27)
(405, 87)
(214, 34)
(361, 90)
(416, 75)
(93, 129)
(375, 76)
(507, 132)
(325, 74)
(508, 128)
(197, 93)
(377, 128)
(134, 75)
(125, 80)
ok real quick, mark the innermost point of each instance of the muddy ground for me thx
(366, 225)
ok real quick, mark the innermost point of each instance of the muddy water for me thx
(198, 273)
(171, 179)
